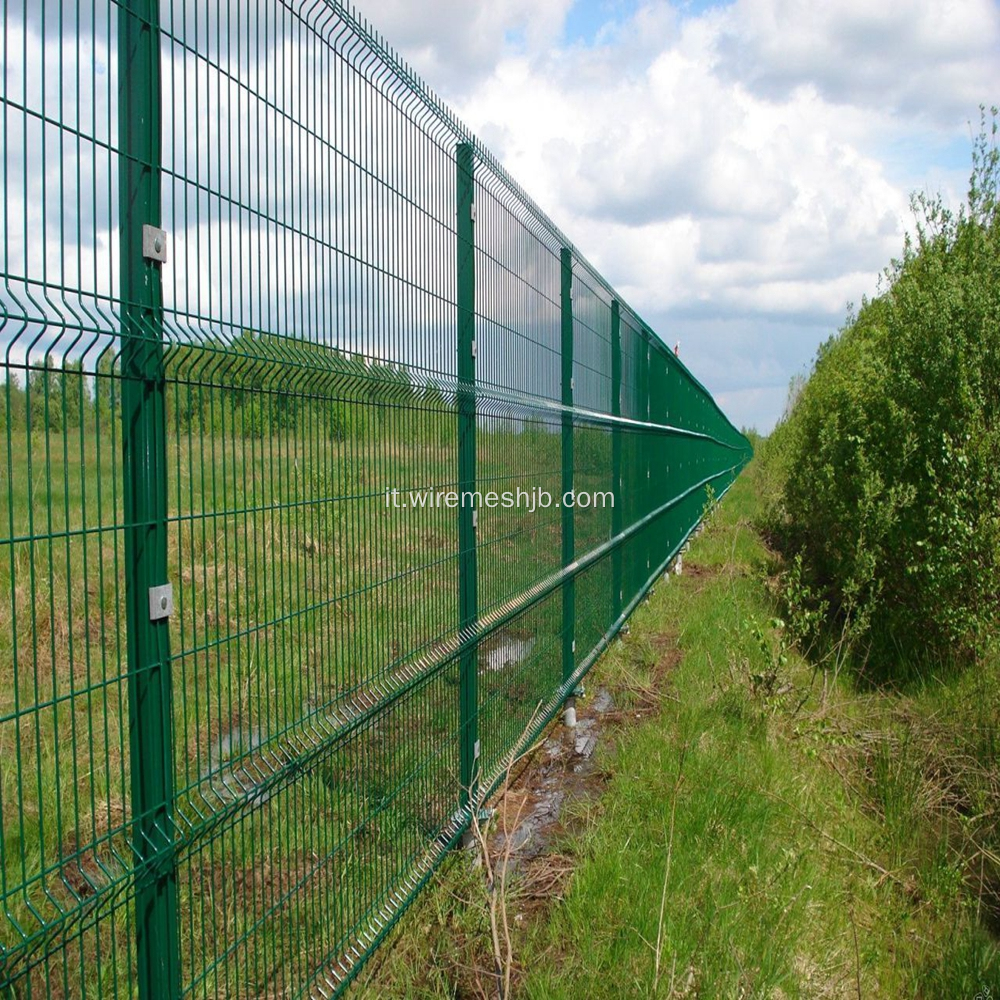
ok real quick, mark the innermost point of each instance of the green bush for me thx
(889, 462)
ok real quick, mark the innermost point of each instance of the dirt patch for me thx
(560, 770)
(545, 795)
(696, 570)
(81, 873)
(668, 653)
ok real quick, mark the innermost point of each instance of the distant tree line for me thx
(253, 385)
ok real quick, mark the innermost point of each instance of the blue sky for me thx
(741, 171)
(586, 18)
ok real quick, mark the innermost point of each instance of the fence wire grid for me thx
(254, 275)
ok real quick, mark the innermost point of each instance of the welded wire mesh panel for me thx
(311, 201)
(330, 467)
(65, 861)
(518, 386)
(595, 493)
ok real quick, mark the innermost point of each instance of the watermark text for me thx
(519, 499)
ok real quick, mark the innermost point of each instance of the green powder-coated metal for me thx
(144, 489)
(467, 600)
(617, 594)
(356, 313)
(566, 486)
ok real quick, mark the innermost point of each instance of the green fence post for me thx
(616, 458)
(467, 516)
(645, 473)
(568, 541)
(148, 599)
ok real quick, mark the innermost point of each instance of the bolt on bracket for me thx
(161, 602)
(154, 244)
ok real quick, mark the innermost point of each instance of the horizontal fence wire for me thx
(256, 277)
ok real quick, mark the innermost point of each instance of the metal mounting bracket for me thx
(154, 244)
(161, 602)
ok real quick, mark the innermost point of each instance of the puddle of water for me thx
(565, 765)
(509, 651)
(603, 702)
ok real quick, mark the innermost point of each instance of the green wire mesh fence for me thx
(256, 277)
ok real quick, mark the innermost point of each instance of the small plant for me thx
(895, 784)
(711, 502)
(806, 612)
(497, 865)
(764, 658)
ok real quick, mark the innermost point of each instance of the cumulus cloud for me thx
(455, 43)
(928, 60)
(685, 186)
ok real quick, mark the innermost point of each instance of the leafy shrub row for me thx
(887, 466)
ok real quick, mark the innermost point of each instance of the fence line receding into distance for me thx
(253, 275)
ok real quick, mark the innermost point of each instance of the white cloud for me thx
(696, 186)
(756, 405)
(454, 43)
(929, 60)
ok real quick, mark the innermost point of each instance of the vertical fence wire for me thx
(360, 315)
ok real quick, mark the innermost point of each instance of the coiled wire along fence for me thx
(255, 274)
